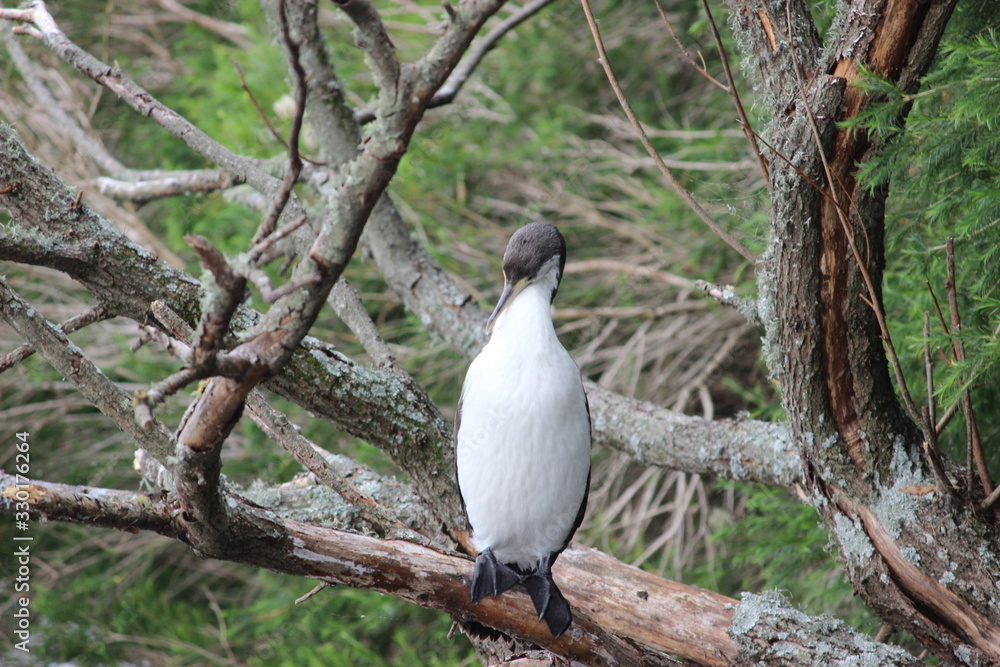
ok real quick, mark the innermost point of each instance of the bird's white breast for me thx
(523, 444)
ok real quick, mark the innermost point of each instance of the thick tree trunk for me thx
(862, 454)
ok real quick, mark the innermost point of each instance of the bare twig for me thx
(277, 426)
(173, 185)
(937, 307)
(258, 255)
(256, 105)
(351, 310)
(90, 316)
(678, 188)
(263, 116)
(975, 458)
(220, 302)
(281, 197)
(735, 95)
(456, 80)
(931, 450)
(271, 294)
(727, 296)
(316, 589)
(69, 360)
(929, 372)
(687, 54)
(218, 306)
(952, 410)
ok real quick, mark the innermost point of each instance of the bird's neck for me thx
(528, 317)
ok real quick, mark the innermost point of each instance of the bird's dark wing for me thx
(586, 494)
(458, 425)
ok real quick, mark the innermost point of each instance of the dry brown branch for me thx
(735, 95)
(421, 575)
(699, 67)
(681, 620)
(975, 458)
(280, 199)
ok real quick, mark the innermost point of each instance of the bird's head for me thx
(535, 252)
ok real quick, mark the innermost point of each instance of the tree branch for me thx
(447, 93)
(277, 426)
(371, 37)
(604, 591)
(75, 323)
(69, 360)
(351, 310)
(241, 169)
(174, 184)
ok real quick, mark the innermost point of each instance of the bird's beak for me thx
(509, 292)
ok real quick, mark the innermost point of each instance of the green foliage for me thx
(241, 616)
(777, 542)
(946, 184)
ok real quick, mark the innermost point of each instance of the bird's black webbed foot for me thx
(548, 599)
(491, 577)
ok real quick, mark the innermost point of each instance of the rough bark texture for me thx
(860, 450)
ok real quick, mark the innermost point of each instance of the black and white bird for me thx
(522, 434)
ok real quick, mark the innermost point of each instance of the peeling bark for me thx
(823, 342)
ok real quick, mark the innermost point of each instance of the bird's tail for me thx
(549, 601)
